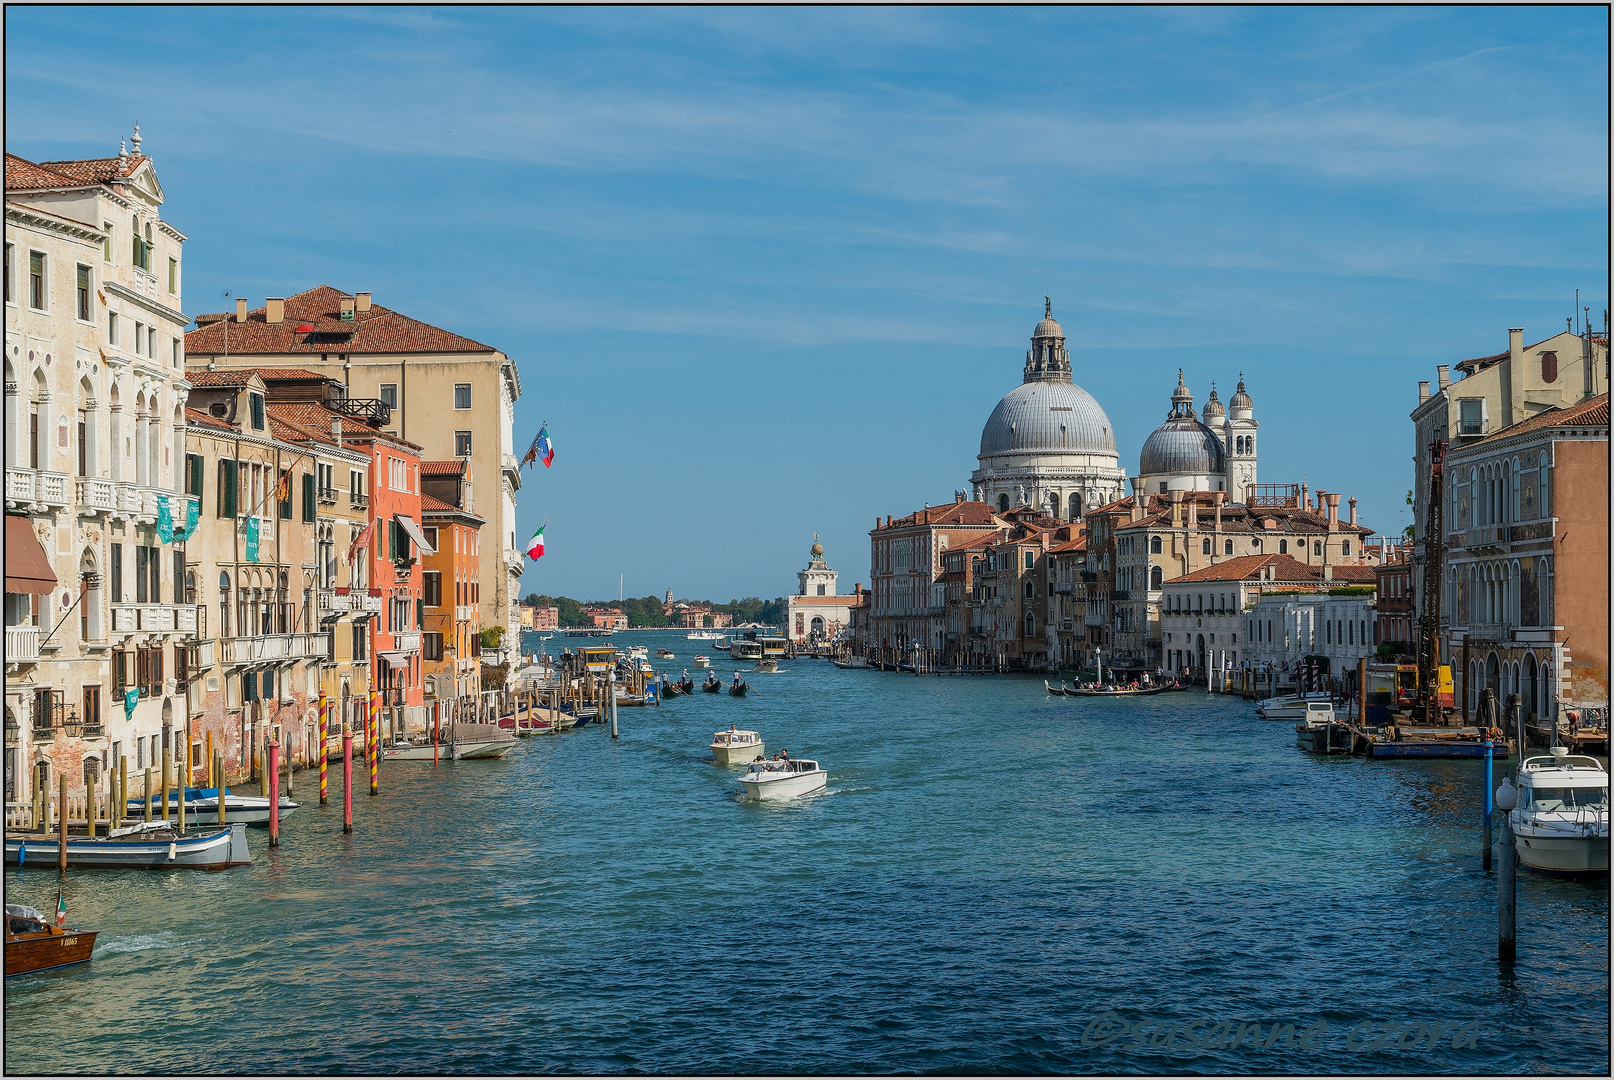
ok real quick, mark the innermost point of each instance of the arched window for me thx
(1154, 545)
(1003, 504)
(1227, 547)
(1283, 547)
(1075, 505)
(1344, 547)
(1031, 624)
(1205, 546)
(1155, 577)
(1317, 547)
(1030, 593)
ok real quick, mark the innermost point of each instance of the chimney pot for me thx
(361, 302)
(274, 309)
(240, 309)
(1423, 390)
(1353, 509)
(1443, 375)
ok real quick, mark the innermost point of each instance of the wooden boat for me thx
(146, 846)
(1141, 691)
(738, 687)
(712, 685)
(33, 944)
(686, 685)
(1059, 692)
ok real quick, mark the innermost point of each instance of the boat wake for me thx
(138, 943)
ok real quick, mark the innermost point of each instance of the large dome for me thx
(1048, 416)
(1183, 445)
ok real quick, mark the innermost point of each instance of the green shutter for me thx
(392, 540)
(227, 477)
(308, 497)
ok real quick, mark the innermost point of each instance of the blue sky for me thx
(767, 271)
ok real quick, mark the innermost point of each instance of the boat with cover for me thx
(1290, 706)
(33, 944)
(783, 778)
(1320, 733)
(703, 635)
(146, 845)
(1561, 822)
(767, 665)
(202, 807)
(735, 747)
(743, 649)
(474, 742)
(664, 654)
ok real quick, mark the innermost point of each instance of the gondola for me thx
(1142, 691)
(738, 687)
(712, 685)
(686, 685)
(1060, 692)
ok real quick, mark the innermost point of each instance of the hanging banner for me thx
(131, 698)
(252, 539)
(165, 520)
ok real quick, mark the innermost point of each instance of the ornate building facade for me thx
(1211, 452)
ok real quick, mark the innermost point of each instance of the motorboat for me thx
(783, 778)
(405, 750)
(481, 741)
(1291, 707)
(703, 635)
(767, 666)
(735, 747)
(1561, 822)
(202, 807)
(664, 654)
(638, 652)
(33, 944)
(1320, 733)
(146, 845)
(703, 660)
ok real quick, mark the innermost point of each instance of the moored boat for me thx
(481, 741)
(147, 845)
(783, 778)
(415, 751)
(1289, 707)
(1561, 822)
(202, 806)
(735, 747)
(33, 944)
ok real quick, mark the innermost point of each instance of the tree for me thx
(532, 599)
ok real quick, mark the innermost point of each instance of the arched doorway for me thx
(1201, 649)
(1532, 699)
(817, 626)
(1003, 504)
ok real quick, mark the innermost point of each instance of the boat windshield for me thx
(1546, 799)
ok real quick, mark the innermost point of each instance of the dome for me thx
(1240, 399)
(1213, 408)
(1181, 446)
(1030, 416)
(1048, 328)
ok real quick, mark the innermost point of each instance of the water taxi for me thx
(735, 747)
(32, 944)
(1561, 822)
(703, 635)
(703, 660)
(785, 778)
(767, 665)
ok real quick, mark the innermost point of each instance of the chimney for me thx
(1333, 511)
(1384, 550)
(1193, 511)
(1305, 498)
(1515, 344)
(1353, 509)
(1443, 375)
(1423, 392)
(361, 302)
(274, 309)
(958, 497)
(857, 590)
(1328, 572)
(888, 521)
(345, 309)
(240, 309)
(1219, 496)
(1176, 509)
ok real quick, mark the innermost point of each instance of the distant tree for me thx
(532, 599)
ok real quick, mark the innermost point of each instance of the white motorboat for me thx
(735, 747)
(202, 807)
(639, 652)
(480, 741)
(703, 635)
(783, 779)
(414, 751)
(1289, 707)
(767, 666)
(703, 660)
(1561, 822)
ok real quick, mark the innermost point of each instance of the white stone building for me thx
(817, 613)
(95, 400)
(1215, 452)
(1048, 444)
(1283, 630)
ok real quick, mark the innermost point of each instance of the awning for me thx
(397, 660)
(27, 568)
(415, 534)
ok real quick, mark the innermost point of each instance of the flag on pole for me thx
(61, 907)
(359, 541)
(546, 448)
(532, 452)
(535, 546)
(283, 489)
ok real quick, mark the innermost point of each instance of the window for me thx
(1317, 547)
(1471, 416)
(8, 273)
(112, 328)
(1344, 547)
(309, 499)
(462, 444)
(432, 588)
(355, 483)
(1154, 545)
(431, 646)
(821, 590)
(360, 641)
(1283, 547)
(1205, 546)
(389, 395)
(1227, 547)
(1030, 559)
(116, 559)
(255, 401)
(82, 293)
(36, 280)
(173, 275)
(177, 347)
(227, 487)
(106, 241)
(142, 247)
(193, 474)
(462, 395)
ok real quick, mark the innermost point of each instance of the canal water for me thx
(994, 880)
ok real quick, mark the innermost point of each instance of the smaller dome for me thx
(1213, 407)
(1048, 327)
(1240, 399)
(1181, 446)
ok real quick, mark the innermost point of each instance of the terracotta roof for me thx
(1078, 544)
(196, 416)
(1284, 568)
(456, 467)
(429, 505)
(964, 513)
(25, 175)
(224, 377)
(267, 373)
(1358, 573)
(379, 330)
(1591, 412)
(317, 417)
(283, 426)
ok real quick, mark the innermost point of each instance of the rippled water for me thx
(988, 872)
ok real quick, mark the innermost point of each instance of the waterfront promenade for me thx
(989, 871)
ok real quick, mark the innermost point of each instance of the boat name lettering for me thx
(1369, 1035)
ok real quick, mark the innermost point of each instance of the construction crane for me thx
(1428, 707)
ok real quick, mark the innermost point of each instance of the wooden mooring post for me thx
(347, 778)
(324, 732)
(61, 823)
(274, 793)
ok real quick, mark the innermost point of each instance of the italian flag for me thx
(535, 546)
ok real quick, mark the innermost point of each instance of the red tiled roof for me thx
(283, 426)
(456, 467)
(1078, 544)
(25, 175)
(964, 513)
(379, 330)
(223, 377)
(430, 505)
(1592, 412)
(196, 416)
(267, 373)
(316, 417)
(1284, 568)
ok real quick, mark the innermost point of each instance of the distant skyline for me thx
(767, 271)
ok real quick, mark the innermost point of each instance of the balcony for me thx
(358, 500)
(326, 495)
(407, 641)
(204, 655)
(1499, 633)
(463, 613)
(1064, 588)
(22, 645)
(127, 497)
(269, 647)
(154, 618)
(94, 496)
(37, 490)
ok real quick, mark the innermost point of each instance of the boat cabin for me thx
(598, 659)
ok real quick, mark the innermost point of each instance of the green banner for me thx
(165, 520)
(131, 698)
(252, 539)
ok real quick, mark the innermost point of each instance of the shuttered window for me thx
(193, 474)
(117, 573)
(141, 554)
(432, 582)
(154, 564)
(308, 497)
(227, 482)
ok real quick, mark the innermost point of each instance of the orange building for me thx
(450, 644)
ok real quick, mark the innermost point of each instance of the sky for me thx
(767, 271)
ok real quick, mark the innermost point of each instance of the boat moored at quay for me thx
(151, 845)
